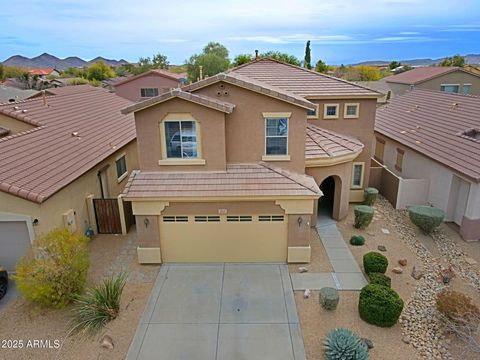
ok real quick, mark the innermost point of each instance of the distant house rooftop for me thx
(442, 126)
(11, 94)
(41, 71)
(159, 72)
(421, 74)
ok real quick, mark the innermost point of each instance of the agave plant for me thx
(343, 344)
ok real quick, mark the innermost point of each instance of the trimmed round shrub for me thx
(55, 271)
(363, 216)
(357, 240)
(458, 307)
(379, 305)
(343, 344)
(427, 218)
(370, 196)
(380, 279)
(374, 262)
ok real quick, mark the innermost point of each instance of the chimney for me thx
(256, 55)
(44, 97)
(200, 67)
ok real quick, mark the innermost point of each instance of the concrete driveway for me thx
(220, 312)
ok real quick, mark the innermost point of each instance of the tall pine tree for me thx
(307, 59)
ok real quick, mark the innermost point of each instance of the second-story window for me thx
(276, 136)
(330, 111)
(148, 92)
(181, 139)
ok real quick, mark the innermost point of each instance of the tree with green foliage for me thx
(73, 72)
(277, 55)
(2, 72)
(242, 59)
(307, 59)
(321, 67)
(213, 59)
(456, 60)
(99, 71)
(394, 64)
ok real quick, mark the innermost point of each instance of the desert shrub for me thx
(55, 270)
(363, 216)
(99, 305)
(380, 279)
(343, 344)
(426, 218)
(379, 305)
(370, 196)
(457, 307)
(357, 240)
(374, 262)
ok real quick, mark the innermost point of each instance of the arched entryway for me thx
(329, 203)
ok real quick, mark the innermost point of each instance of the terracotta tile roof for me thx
(39, 162)
(178, 93)
(300, 81)
(421, 74)
(322, 143)
(243, 180)
(431, 122)
(41, 71)
(161, 72)
(254, 85)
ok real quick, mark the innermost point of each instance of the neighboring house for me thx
(62, 152)
(11, 94)
(44, 72)
(232, 167)
(148, 84)
(380, 86)
(429, 143)
(448, 79)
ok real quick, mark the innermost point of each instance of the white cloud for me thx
(293, 38)
(409, 33)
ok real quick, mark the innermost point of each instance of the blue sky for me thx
(341, 31)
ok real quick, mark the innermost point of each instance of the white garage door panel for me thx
(223, 241)
(14, 242)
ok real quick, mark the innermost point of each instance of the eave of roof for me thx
(403, 79)
(164, 73)
(178, 93)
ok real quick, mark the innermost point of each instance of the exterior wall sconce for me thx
(146, 221)
(35, 222)
(299, 220)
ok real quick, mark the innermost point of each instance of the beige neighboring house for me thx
(232, 167)
(428, 150)
(62, 154)
(440, 78)
(148, 84)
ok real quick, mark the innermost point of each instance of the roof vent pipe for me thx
(200, 69)
(44, 97)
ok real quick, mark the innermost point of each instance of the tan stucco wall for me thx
(49, 213)
(14, 125)
(212, 135)
(131, 89)
(360, 128)
(245, 126)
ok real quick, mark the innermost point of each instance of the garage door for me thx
(14, 242)
(222, 238)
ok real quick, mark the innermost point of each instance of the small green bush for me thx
(374, 262)
(426, 218)
(363, 216)
(99, 305)
(370, 196)
(55, 270)
(343, 344)
(380, 279)
(379, 305)
(357, 240)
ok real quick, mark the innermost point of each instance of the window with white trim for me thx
(399, 159)
(148, 92)
(351, 110)
(357, 175)
(450, 88)
(467, 88)
(330, 111)
(313, 114)
(181, 139)
(276, 136)
(121, 164)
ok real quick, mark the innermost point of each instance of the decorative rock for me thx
(397, 270)
(386, 231)
(417, 273)
(329, 298)
(406, 339)
(303, 269)
(382, 248)
(470, 261)
(306, 294)
(368, 342)
(107, 342)
(403, 262)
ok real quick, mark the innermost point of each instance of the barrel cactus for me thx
(427, 218)
(363, 216)
(343, 344)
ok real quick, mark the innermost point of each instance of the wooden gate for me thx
(107, 215)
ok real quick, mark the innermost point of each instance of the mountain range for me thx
(471, 59)
(49, 61)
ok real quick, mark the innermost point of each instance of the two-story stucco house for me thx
(232, 167)
(430, 142)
